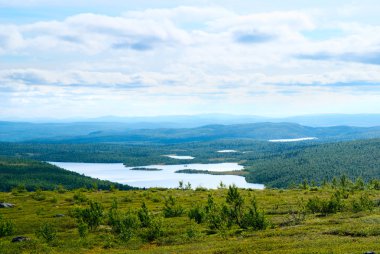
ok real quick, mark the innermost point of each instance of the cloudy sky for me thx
(137, 58)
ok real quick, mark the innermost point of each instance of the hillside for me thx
(193, 221)
(318, 163)
(34, 174)
(123, 132)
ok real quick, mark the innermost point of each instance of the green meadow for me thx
(341, 217)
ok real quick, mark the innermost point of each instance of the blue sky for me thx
(138, 58)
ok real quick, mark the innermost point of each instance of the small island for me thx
(147, 169)
(196, 171)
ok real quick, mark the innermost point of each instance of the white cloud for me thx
(211, 57)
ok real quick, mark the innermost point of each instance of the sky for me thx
(81, 58)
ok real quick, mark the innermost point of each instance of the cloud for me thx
(253, 37)
(196, 58)
(365, 57)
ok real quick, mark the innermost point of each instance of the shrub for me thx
(172, 209)
(235, 210)
(91, 215)
(47, 232)
(314, 205)
(6, 227)
(144, 215)
(254, 218)
(155, 229)
(334, 205)
(60, 189)
(79, 197)
(19, 189)
(38, 195)
(82, 229)
(215, 216)
(374, 184)
(127, 226)
(364, 203)
(197, 213)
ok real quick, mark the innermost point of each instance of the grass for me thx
(343, 232)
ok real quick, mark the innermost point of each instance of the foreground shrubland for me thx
(336, 218)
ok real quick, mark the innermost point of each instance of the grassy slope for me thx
(337, 233)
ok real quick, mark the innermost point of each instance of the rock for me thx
(6, 205)
(20, 239)
(59, 215)
(369, 252)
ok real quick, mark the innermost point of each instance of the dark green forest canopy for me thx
(318, 163)
(33, 174)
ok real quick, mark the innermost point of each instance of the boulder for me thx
(59, 215)
(18, 239)
(6, 205)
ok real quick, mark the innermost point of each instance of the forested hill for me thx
(256, 131)
(317, 163)
(33, 174)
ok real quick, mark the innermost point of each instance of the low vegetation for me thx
(339, 217)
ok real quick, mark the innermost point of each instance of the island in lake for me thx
(146, 169)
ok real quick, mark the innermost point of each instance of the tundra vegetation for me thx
(341, 216)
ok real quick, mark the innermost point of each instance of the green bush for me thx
(334, 205)
(38, 195)
(155, 229)
(364, 203)
(197, 213)
(254, 218)
(79, 197)
(82, 229)
(314, 205)
(127, 226)
(47, 232)
(92, 215)
(144, 215)
(6, 227)
(235, 201)
(172, 209)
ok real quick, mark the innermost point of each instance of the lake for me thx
(178, 157)
(166, 177)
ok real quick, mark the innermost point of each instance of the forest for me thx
(273, 164)
(27, 175)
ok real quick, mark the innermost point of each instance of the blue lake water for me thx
(166, 177)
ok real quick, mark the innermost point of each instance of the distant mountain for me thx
(193, 121)
(359, 120)
(256, 131)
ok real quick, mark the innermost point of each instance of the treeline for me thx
(148, 154)
(319, 164)
(31, 175)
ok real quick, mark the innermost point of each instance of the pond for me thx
(166, 177)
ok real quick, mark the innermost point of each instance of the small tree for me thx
(155, 229)
(144, 215)
(180, 185)
(91, 215)
(172, 209)
(197, 213)
(254, 218)
(235, 202)
(47, 232)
